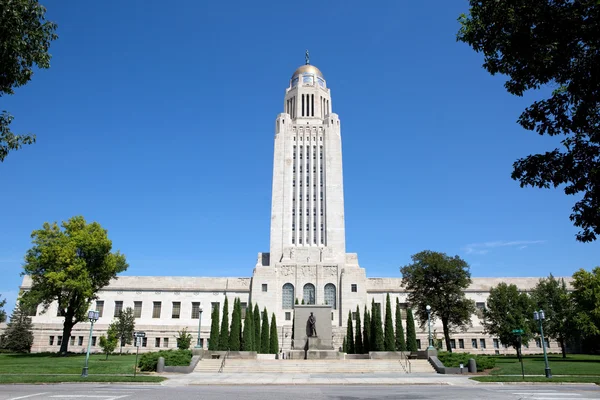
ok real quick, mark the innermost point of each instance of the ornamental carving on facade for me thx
(330, 270)
(244, 281)
(308, 271)
(287, 270)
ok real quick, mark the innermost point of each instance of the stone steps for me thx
(313, 366)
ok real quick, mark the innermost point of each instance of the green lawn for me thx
(574, 364)
(556, 379)
(51, 368)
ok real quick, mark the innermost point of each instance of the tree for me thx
(273, 337)
(2, 312)
(123, 327)
(248, 335)
(508, 309)
(358, 343)
(586, 296)
(236, 326)
(256, 324)
(70, 266)
(108, 344)
(411, 333)
(551, 295)
(184, 339)
(18, 336)
(349, 335)
(400, 340)
(345, 345)
(367, 332)
(264, 333)
(552, 44)
(376, 339)
(25, 38)
(224, 331)
(438, 280)
(213, 341)
(389, 341)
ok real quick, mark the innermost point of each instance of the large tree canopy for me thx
(2, 312)
(438, 280)
(587, 301)
(555, 44)
(70, 266)
(25, 38)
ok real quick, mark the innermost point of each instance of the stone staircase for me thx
(314, 366)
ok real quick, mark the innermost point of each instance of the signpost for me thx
(138, 336)
(518, 333)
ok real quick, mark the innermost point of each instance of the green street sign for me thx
(517, 331)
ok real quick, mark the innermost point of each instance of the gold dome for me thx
(308, 69)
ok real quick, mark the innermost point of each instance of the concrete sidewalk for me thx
(197, 378)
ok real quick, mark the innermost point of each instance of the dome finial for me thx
(307, 58)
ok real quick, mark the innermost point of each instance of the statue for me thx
(307, 58)
(312, 326)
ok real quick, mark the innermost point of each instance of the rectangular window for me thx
(51, 340)
(156, 309)
(547, 342)
(403, 307)
(461, 343)
(264, 287)
(195, 310)
(93, 340)
(157, 342)
(496, 343)
(353, 315)
(80, 341)
(474, 343)
(354, 287)
(59, 340)
(418, 343)
(213, 305)
(482, 343)
(176, 309)
(480, 307)
(166, 342)
(244, 307)
(144, 342)
(100, 307)
(288, 316)
(452, 343)
(118, 308)
(137, 309)
(72, 341)
(538, 343)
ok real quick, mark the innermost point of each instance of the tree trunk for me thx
(447, 335)
(67, 328)
(563, 347)
(106, 355)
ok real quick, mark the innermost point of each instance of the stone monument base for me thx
(314, 355)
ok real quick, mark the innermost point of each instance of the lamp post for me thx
(540, 316)
(93, 317)
(198, 344)
(428, 308)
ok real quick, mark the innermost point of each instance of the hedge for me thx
(148, 361)
(453, 360)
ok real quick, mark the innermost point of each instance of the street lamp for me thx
(428, 308)
(199, 345)
(540, 316)
(93, 317)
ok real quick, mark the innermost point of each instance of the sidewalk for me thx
(198, 378)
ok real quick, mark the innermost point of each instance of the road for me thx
(420, 392)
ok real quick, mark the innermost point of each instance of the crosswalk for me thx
(90, 393)
(549, 394)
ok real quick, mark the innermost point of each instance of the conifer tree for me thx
(345, 346)
(377, 343)
(358, 343)
(350, 335)
(273, 337)
(264, 332)
(213, 341)
(248, 335)
(411, 334)
(400, 340)
(367, 332)
(257, 337)
(389, 341)
(224, 333)
(236, 326)
(18, 336)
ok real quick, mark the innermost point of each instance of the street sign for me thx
(139, 334)
(517, 331)
(138, 342)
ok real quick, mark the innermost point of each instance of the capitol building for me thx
(307, 259)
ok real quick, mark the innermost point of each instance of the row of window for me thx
(308, 295)
(157, 341)
(156, 309)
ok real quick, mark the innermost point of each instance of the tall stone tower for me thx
(307, 259)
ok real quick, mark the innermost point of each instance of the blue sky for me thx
(157, 120)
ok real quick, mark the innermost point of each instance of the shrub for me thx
(453, 360)
(149, 361)
(184, 339)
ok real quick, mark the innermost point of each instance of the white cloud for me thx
(484, 248)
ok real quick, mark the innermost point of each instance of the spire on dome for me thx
(306, 58)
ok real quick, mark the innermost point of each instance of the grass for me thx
(52, 368)
(574, 364)
(556, 379)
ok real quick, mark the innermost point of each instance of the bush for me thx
(148, 361)
(453, 360)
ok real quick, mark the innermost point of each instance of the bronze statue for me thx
(312, 325)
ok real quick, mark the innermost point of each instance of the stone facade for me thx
(307, 259)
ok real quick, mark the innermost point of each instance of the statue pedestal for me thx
(314, 343)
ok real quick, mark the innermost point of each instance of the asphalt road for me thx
(130, 392)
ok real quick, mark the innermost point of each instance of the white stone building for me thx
(307, 259)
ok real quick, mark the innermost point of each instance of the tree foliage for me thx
(367, 332)
(508, 309)
(18, 336)
(358, 342)
(256, 324)
(264, 333)
(400, 339)
(224, 331)
(389, 340)
(70, 266)
(411, 333)
(108, 343)
(248, 334)
(376, 339)
(2, 312)
(438, 280)
(349, 335)
(549, 44)
(273, 337)
(235, 332)
(184, 339)
(123, 327)
(213, 341)
(586, 297)
(25, 38)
